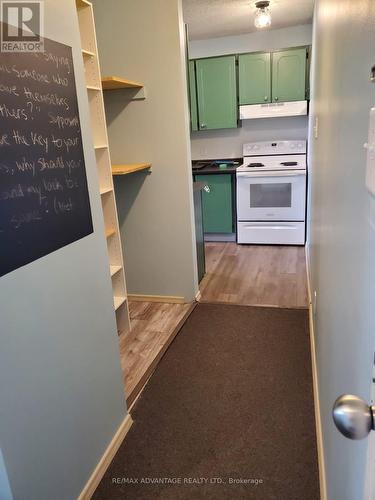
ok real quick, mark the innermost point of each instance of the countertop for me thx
(213, 169)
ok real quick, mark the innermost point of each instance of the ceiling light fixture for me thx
(263, 15)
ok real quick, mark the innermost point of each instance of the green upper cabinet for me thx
(255, 78)
(289, 75)
(193, 97)
(217, 92)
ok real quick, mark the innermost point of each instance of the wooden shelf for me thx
(93, 87)
(88, 53)
(106, 190)
(115, 269)
(83, 3)
(115, 83)
(101, 146)
(118, 301)
(129, 169)
(110, 232)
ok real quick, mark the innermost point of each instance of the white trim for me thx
(106, 459)
(318, 421)
(170, 299)
(5, 490)
(370, 461)
(223, 237)
(370, 457)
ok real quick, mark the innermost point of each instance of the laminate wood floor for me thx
(153, 327)
(255, 275)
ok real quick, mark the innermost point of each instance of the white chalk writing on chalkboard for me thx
(44, 201)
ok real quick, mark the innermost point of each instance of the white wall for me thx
(228, 143)
(341, 229)
(252, 42)
(155, 210)
(61, 391)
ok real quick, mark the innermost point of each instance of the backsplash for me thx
(227, 143)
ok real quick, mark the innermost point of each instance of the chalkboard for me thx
(44, 200)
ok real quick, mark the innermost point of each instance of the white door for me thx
(271, 196)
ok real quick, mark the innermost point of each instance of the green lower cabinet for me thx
(193, 97)
(254, 78)
(217, 92)
(289, 75)
(217, 203)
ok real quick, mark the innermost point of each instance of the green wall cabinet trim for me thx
(217, 204)
(217, 92)
(289, 75)
(255, 78)
(193, 97)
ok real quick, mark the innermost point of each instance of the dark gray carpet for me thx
(231, 400)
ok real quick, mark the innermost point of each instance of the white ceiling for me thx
(214, 18)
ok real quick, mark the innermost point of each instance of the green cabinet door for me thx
(217, 203)
(255, 78)
(289, 75)
(217, 92)
(193, 97)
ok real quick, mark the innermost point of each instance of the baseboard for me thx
(318, 420)
(106, 459)
(170, 299)
(219, 237)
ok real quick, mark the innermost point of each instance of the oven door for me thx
(272, 195)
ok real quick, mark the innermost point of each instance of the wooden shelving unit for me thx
(110, 232)
(116, 83)
(115, 269)
(82, 3)
(87, 53)
(105, 190)
(129, 169)
(103, 162)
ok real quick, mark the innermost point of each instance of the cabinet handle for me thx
(207, 188)
(203, 125)
(276, 98)
(266, 97)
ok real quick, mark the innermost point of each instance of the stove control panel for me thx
(267, 148)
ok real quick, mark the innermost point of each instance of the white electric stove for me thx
(271, 193)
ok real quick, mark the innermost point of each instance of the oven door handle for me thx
(272, 174)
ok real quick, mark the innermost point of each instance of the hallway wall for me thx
(61, 391)
(342, 227)
(155, 210)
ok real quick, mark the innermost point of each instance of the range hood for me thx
(273, 109)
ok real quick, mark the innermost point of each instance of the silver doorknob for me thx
(353, 417)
